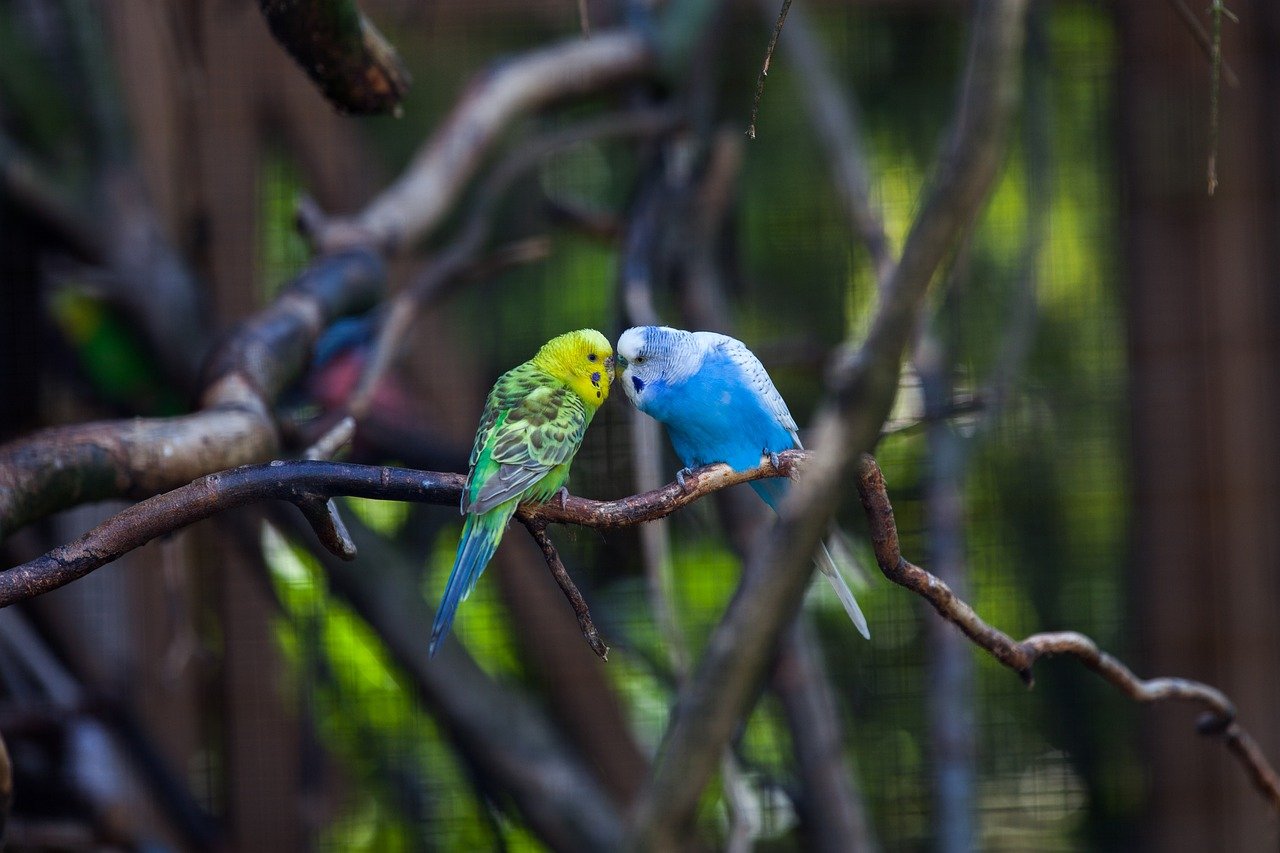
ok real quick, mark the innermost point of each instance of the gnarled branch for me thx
(419, 200)
(1020, 656)
(57, 468)
(342, 52)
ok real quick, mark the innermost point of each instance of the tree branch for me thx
(764, 67)
(342, 52)
(417, 202)
(863, 385)
(57, 468)
(308, 484)
(507, 743)
(454, 262)
(299, 482)
(1020, 656)
(538, 529)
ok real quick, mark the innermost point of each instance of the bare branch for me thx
(342, 52)
(307, 483)
(417, 202)
(331, 530)
(1020, 656)
(538, 529)
(460, 257)
(764, 67)
(333, 440)
(61, 467)
(863, 386)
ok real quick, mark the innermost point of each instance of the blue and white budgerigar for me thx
(532, 426)
(718, 405)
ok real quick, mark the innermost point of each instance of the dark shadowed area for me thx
(260, 254)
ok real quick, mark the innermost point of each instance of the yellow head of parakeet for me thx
(582, 360)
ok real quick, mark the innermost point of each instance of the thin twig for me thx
(538, 529)
(764, 68)
(322, 514)
(1020, 656)
(834, 114)
(1218, 11)
(336, 438)
(1203, 39)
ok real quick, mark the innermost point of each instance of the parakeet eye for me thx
(591, 357)
(638, 360)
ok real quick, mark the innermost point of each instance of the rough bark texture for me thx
(342, 52)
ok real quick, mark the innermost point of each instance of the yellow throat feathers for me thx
(582, 360)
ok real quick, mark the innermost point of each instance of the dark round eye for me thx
(591, 357)
(638, 360)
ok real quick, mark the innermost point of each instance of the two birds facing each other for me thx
(711, 392)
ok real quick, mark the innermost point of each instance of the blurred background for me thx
(1085, 442)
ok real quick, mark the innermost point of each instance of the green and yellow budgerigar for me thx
(532, 426)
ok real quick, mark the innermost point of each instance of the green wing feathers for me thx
(531, 429)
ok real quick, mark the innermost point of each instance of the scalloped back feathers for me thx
(532, 425)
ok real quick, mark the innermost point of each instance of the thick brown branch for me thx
(342, 52)
(1020, 656)
(538, 529)
(419, 200)
(58, 468)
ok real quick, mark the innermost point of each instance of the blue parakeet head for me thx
(654, 357)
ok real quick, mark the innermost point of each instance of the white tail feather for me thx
(829, 568)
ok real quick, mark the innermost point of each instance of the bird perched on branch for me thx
(532, 426)
(718, 405)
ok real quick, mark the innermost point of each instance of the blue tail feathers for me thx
(480, 538)
(772, 492)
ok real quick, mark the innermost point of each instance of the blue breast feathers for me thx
(715, 416)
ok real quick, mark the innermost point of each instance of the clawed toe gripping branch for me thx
(312, 485)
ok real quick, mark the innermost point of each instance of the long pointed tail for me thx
(772, 491)
(480, 538)
(829, 568)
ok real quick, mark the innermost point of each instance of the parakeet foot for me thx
(563, 494)
(681, 476)
(774, 460)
